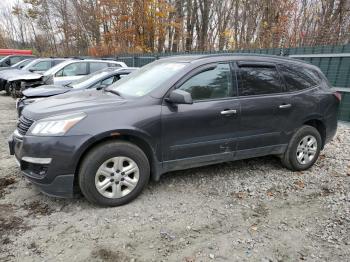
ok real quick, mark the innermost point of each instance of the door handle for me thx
(229, 112)
(285, 106)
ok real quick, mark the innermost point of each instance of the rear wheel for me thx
(303, 149)
(114, 173)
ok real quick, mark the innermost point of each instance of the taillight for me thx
(337, 95)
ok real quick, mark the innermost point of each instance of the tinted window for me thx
(97, 66)
(210, 84)
(114, 65)
(298, 78)
(41, 66)
(259, 80)
(76, 69)
(56, 62)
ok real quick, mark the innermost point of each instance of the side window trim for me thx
(278, 66)
(243, 63)
(204, 68)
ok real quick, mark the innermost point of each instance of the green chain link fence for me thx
(333, 60)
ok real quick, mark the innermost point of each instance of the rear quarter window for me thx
(299, 78)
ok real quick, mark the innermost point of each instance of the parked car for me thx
(18, 65)
(38, 65)
(97, 80)
(175, 113)
(62, 74)
(10, 60)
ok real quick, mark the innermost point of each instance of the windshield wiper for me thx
(113, 91)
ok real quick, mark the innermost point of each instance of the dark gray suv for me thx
(175, 113)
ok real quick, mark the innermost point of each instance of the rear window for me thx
(299, 78)
(259, 80)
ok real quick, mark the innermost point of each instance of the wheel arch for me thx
(320, 126)
(139, 139)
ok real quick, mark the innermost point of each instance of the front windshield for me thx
(148, 78)
(22, 63)
(88, 80)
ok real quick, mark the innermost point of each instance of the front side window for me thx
(75, 69)
(15, 60)
(298, 78)
(213, 83)
(259, 80)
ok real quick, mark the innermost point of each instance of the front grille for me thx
(23, 125)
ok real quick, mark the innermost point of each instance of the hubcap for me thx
(117, 177)
(306, 150)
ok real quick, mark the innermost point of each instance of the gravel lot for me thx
(251, 210)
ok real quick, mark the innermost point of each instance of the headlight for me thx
(31, 100)
(55, 126)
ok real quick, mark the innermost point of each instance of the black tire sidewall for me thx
(97, 157)
(299, 135)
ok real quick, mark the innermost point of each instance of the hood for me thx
(71, 102)
(17, 74)
(46, 91)
(6, 68)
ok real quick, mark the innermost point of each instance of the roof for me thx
(233, 56)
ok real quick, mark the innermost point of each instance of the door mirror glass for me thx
(180, 97)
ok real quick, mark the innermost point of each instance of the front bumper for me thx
(49, 162)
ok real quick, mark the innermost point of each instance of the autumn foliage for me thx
(106, 27)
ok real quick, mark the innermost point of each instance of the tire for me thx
(8, 89)
(303, 149)
(117, 187)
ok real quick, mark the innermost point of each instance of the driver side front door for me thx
(205, 131)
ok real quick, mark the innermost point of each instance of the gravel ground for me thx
(251, 210)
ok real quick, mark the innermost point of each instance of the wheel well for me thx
(144, 146)
(321, 128)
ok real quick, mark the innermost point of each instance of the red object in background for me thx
(15, 52)
(338, 96)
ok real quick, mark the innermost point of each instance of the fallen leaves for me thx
(299, 184)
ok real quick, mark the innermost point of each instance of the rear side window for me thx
(114, 65)
(75, 69)
(97, 66)
(56, 62)
(259, 80)
(41, 66)
(299, 78)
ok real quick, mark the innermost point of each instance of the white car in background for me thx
(72, 70)
(62, 74)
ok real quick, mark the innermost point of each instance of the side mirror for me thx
(179, 97)
(102, 86)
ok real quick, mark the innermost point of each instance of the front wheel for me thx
(303, 149)
(114, 173)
